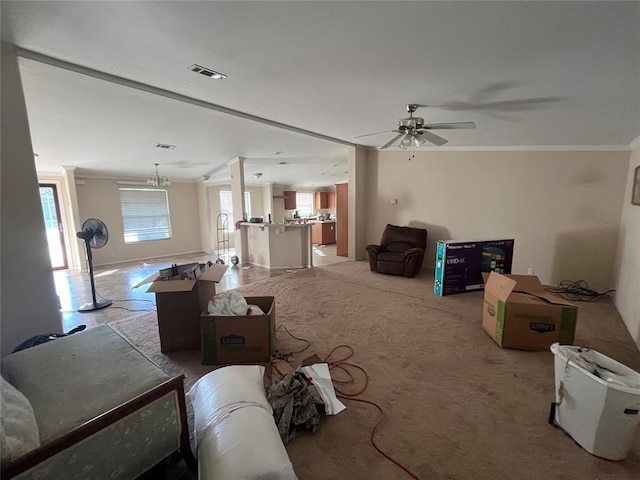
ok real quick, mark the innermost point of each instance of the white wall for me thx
(29, 303)
(100, 198)
(278, 203)
(213, 199)
(562, 208)
(207, 231)
(267, 202)
(627, 266)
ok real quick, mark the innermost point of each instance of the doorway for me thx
(53, 223)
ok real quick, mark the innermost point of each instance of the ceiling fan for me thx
(414, 131)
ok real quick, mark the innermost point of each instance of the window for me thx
(304, 204)
(226, 206)
(145, 214)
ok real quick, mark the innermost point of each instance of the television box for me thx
(519, 313)
(459, 264)
(179, 303)
(239, 338)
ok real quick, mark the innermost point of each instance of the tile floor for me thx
(116, 282)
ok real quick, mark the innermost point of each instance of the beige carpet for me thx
(457, 405)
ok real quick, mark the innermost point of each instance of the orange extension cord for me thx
(340, 365)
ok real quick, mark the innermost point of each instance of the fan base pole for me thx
(90, 307)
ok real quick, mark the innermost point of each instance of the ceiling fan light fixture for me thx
(155, 180)
(406, 142)
(257, 175)
(418, 141)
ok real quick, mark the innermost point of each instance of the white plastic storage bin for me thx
(597, 400)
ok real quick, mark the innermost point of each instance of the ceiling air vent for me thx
(207, 72)
(165, 146)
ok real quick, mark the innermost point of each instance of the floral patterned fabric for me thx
(74, 379)
(124, 450)
(19, 430)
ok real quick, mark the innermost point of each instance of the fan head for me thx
(94, 232)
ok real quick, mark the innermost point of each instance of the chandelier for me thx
(155, 180)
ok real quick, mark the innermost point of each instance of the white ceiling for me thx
(529, 74)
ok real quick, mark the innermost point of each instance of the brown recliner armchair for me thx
(401, 251)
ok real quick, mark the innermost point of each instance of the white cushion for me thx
(19, 431)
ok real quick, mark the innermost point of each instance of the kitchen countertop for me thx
(275, 225)
(290, 224)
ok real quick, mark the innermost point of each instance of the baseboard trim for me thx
(118, 262)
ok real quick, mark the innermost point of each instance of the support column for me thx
(77, 254)
(357, 164)
(237, 199)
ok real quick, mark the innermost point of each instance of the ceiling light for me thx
(207, 72)
(257, 175)
(155, 180)
(411, 140)
(406, 142)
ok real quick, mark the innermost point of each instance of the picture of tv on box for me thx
(459, 264)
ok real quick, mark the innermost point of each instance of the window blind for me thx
(145, 214)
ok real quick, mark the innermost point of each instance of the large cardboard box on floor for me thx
(460, 264)
(519, 313)
(240, 338)
(179, 303)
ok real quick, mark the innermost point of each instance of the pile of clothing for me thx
(298, 397)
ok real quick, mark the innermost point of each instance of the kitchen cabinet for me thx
(324, 233)
(321, 200)
(331, 200)
(289, 199)
(325, 200)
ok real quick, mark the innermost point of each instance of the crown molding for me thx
(529, 148)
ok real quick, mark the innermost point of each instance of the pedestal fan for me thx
(95, 235)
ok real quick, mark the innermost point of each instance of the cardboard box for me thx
(179, 303)
(519, 313)
(460, 264)
(240, 338)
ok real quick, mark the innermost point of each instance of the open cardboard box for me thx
(519, 313)
(179, 304)
(230, 339)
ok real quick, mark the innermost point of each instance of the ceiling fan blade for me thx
(432, 137)
(450, 126)
(390, 142)
(522, 104)
(376, 133)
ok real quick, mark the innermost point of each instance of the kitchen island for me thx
(324, 232)
(277, 245)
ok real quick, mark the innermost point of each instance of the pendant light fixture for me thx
(155, 180)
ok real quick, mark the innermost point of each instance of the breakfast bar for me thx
(277, 245)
